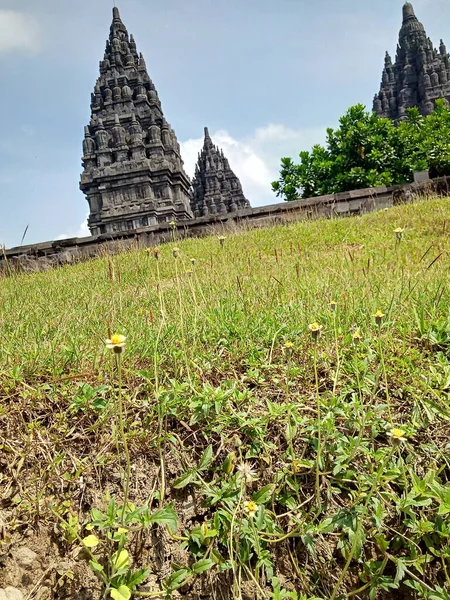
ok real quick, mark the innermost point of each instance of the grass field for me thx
(232, 451)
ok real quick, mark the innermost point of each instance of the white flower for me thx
(246, 471)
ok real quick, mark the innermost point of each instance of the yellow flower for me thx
(221, 239)
(289, 345)
(189, 272)
(116, 343)
(315, 330)
(296, 467)
(175, 251)
(356, 335)
(173, 224)
(379, 317)
(399, 233)
(149, 250)
(251, 508)
(333, 305)
(397, 435)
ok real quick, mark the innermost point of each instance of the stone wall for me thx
(45, 255)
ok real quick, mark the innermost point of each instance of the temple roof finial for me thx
(116, 14)
(408, 11)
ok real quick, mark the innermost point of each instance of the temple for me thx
(216, 189)
(133, 172)
(419, 76)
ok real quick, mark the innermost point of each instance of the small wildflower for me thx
(246, 471)
(315, 330)
(189, 272)
(289, 345)
(173, 224)
(149, 251)
(356, 336)
(116, 343)
(379, 317)
(193, 261)
(333, 305)
(221, 239)
(251, 508)
(175, 252)
(397, 435)
(399, 233)
(296, 467)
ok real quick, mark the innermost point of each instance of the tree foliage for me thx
(369, 151)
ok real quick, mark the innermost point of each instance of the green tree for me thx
(369, 151)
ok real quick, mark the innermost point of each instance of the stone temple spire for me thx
(133, 173)
(419, 76)
(217, 190)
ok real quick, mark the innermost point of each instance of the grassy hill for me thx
(258, 457)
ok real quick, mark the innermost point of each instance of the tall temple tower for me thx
(133, 173)
(217, 190)
(419, 76)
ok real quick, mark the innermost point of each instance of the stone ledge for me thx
(342, 204)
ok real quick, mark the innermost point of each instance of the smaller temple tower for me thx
(216, 189)
(419, 76)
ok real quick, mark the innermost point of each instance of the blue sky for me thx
(266, 76)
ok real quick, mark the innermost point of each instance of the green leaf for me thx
(382, 542)
(444, 509)
(264, 494)
(95, 566)
(97, 515)
(206, 459)
(122, 593)
(202, 565)
(401, 570)
(184, 480)
(165, 516)
(91, 541)
(176, 579)
(120, 560)
(136, 578)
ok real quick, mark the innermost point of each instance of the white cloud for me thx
(19, 31)
(83, 231)
(256, 159)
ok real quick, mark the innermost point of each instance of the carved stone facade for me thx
(420, 75)
(133, 172)
(216, 189)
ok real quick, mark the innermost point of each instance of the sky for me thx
(266, 76)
